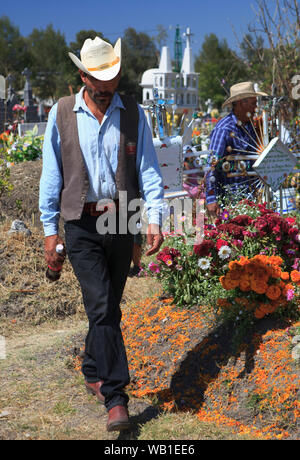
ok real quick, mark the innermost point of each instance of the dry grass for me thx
(41, 397)
(185, 426)
(25, 293)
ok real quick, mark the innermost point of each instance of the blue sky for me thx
(112, 17)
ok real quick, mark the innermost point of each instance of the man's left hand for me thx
(154, 239)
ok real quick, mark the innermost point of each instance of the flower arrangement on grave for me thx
(191, 274)
(19, 112)
(22, 148)
(258, 284)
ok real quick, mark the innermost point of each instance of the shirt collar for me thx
(233, 117)
(116, 102)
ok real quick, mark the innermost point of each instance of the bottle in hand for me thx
(53, 274)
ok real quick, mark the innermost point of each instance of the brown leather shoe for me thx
(118, 419)
(94, 389)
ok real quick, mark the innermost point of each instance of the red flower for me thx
(19, 107)
(168, 254)
(204, 248)
(248, 203)
(243, 220)
(293, 232)
(290, 220)
(232, 229)
(221, 243)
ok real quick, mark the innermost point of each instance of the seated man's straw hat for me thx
(242, 91)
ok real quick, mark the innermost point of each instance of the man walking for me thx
(97, 149)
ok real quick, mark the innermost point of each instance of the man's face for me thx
(101, 92)
(249, 105)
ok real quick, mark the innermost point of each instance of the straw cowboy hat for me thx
(99, 59)
(242, 91)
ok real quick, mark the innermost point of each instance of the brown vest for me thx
(75, 177)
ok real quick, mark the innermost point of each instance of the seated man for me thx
(232, 135)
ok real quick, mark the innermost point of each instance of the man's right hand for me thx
(213, 209)
(53, 259)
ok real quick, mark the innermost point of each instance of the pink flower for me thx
(290, 294)
(153, 267)
(296, 264)
(19, 107)
(237, 243)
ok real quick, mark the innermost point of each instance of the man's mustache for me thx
(103, 94)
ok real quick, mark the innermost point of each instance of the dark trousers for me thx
(101, 264)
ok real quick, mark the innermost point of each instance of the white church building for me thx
(181, 86)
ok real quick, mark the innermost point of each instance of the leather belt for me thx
(90, 208)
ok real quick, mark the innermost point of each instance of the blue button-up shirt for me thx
(242, 143)
(100, 146)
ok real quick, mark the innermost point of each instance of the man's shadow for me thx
(202, 365)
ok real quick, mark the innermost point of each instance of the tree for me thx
(49, 59)
(161, 36)
(138, 54)
(278, 24)
(256, 58)
(219, 68)
(14, 55)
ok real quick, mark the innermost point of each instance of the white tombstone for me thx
(169, 155)
(275, 163)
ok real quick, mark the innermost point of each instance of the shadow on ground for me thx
(202, 365)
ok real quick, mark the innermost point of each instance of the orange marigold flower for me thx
(231, 283)
(289, 286)
(285, 276)
(223, 303)
(222, 279)
(295, 276)
(262, 273)
(260, 287)
(267, 308)
(244, 285)
(260, 258)
(275, 260)
(276, 272)
(233, 275)
(233, 265)
(242, 301)
(258, 313)
(224, 283)
(273, 292)
(243, 261)
(4, 136)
